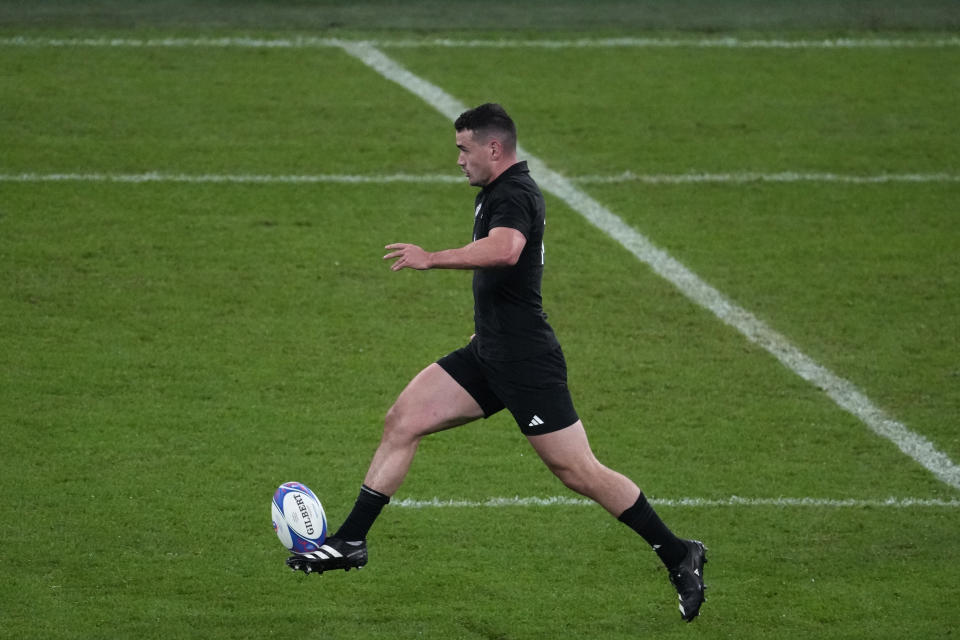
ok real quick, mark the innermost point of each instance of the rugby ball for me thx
(298, 518)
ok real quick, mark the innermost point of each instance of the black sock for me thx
(365, 510)
(644, 520)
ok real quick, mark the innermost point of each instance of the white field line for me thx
(626, 177)
(747, 177)
(844, 393)
(312, 42)
(156, 176)
(733, 501)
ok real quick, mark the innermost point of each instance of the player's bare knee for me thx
(573, 478)
(581, 476)
(402, 423)
(397, 424)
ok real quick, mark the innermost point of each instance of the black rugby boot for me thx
(334, 554)
(687, 578)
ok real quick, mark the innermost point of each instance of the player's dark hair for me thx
(489, 120)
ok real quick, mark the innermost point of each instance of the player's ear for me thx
(496, 149)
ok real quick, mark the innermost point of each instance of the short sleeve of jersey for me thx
(517, 211)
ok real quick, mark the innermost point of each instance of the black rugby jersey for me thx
(508, 308)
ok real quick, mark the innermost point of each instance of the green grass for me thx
(652, 110)
(62, 115)
(810, 585)
(171, 352)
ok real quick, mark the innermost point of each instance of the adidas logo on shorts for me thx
(536, 422)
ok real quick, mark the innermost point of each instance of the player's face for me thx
(475, 159)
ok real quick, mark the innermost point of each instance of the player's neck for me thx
(500, 167)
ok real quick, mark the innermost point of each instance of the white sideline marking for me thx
(679, 43)
(732, 501)
(312, 42)
(155, 176)
(786, 176)
(628, 176)
(844, 393)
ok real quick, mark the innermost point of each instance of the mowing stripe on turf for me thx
(843, 392)
(313, 42)
(438, 178)
(733, 501)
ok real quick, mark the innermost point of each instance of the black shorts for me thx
(534, 391)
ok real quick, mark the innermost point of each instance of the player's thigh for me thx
(433, 401)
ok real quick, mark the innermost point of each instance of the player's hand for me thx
(407, 256)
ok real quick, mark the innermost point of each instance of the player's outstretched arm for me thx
(501, 248)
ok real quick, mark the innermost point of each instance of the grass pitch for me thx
(172, 351)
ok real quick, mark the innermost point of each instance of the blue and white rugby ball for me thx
(298, 518)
